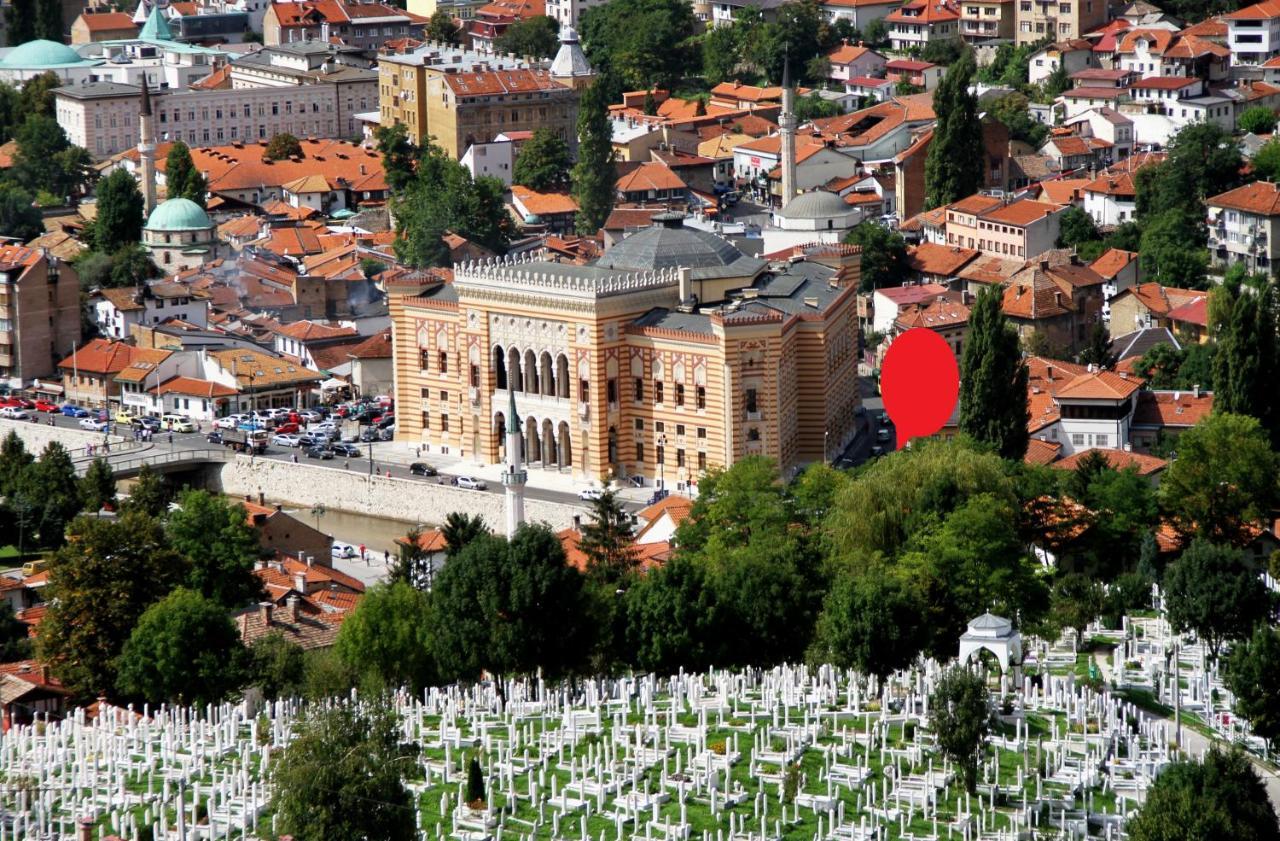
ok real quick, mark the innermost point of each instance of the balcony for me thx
(753, 416)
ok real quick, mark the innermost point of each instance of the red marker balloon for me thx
(920, 383)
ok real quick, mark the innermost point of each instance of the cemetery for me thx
(792, 752)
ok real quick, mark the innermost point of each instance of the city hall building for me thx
(673, 353)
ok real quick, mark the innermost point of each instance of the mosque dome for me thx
(818, 204)
(178, 215)
(41, 53)
(669, 244)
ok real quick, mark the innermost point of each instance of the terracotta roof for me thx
(239, 167)
(430, 540)
(303, 630)
(1214, 27)
(1192, 47)
(1070, 146)
(905, 296)
(674, 506)
(501, 83)
(907, 65)
(1063, 190)
(1033, 294)
(931, 258)
(1265, 10)
(377, 346)
(258, 369)
(1118, 459)
(749, 93)
(1100, 385)
(241, 226)
(1165, 83)
(1159, 300)
(1261, 197)
(1172, 408)
(991, 270)
(1193, 312)
(219, 79)
(310, 331)
(107, 21)
(1094, 93)
(647, 555)
(1022, 212)
(935, 315)
(925, 12)
(1158, 40)
(122, 298)
(545, 204)
(1118, 184)
(193, 387)
(103, 356)
(1112, 262)
(650, 176)
(1041, 452)
(846, 53)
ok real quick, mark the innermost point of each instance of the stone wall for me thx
(37, 436)
(355, 491)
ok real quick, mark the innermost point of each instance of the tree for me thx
(216, 536)
(398, 154)
(14, 460)
(281, 146)
(20, 22)
(100, 583)
(645, 42)
(953, 168)
(475, 781)
(342, 777)
(1246, 363)
(1075, 228)
(15, 642)
(387, 641)
(120, 207)
(594, 175)
(671, 618)
(1258, 120)
(1056, 83)
(443, 198)
(49, 25)
(46, 160)
(1253, 675)
(277, 666)
(1266, 162)
(960, 718)
(543, 163)
(459, 529)
(1223, 797)
(877, 33)
(98, 487)
(720, 54)
(441, 27)
(1098, 350)
(36, 95)
(608, 540)
(993, 379)
(184, 650)
(869, 623)
(1212, 590)
(944, 51)
(181, 178)
(1222, 481)
(52, 490)
(131, 265)
(1173, 249)
(884, 255)
(1012, 110)
(1075, 601)
(537, 36)
(413, 562)
(19, 216)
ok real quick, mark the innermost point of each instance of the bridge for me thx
(128, 464)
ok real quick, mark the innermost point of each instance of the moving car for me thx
(14, 413)
(122, 417)
(342, 550)
(46, 406)
(286, 428)
(421, 468)
(214, 437)
(471, 483)
(178, 423)
(322, 453)
(310, 416)
(590, 494)
(346, 450)
(93, 423)
(229, 422)
(72, 411)
(148, 422)
(285, 439)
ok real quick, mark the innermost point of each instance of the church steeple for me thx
(514, 476)
(147, 149)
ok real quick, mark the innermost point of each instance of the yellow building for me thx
(673, 353)
(986, 20)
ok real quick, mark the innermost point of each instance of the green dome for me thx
(42, 54)
(178, 215)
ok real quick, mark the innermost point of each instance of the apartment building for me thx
(39, 313)
(986, 20)
(1253, 33)
(363, 25)
(1061, 19)
(1243, 223)
(917, 22)
(1020, 229)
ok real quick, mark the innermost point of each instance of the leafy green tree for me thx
(342, 777)
(1124, 510)
(608, 540)
(441, 27)
(1075, 601)
(442, 198)
(131, 265)
(19, 216)
(281, 146)
(671, 618)
(537, 36)
(387, 641)
(814, 107)
(719, 54)
(646, 43)
(150, 493)
(1223, 480)
(1185, 368)
(953, 167)
(461, 528)
(326, 675)
(20, 22)
(98, 487)
(1222, 797)
(223, 546)
(14, 459)
(50, 487)
(181, 178)
(49, 24)
(1266, 162)
(37, 97)
(1212, 590)
(100, 583)
(1258, 120)
(877, 33)
(1075, 228)
(46, 160)
(399, 155)
(1056, 83)
(543, 163)
(120, 206)
(869, 623)
(1098, 350)
(1012, 111)
(884, 255)
(993, 379)
(1173, 250)
(594, 176)
(184, 650)
(1246, 364)
(944, 51)
(277, 666)
(413, 562)
(15, 643)
(1253, 675)
(960, 718)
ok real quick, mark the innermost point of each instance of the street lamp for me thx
(826, 447)
(318, 511)
(662, 462)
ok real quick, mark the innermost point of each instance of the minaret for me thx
(787, 127)
(515, 476)
(147, 150)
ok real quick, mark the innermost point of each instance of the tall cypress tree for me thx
(20, 21)
(181, 178)
(594, 176)
(993, 380)
(49, 23)
(1245, 364)
(953, 168)
(120, 206)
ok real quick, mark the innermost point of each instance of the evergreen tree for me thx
(459, 529)
(953, 168)
(98, 487)
(120, 207)
(475, 781)
(14, 459)
(181, 178)
(413, 563)
(1098, 351)
(607, 540)
(150, 493)
(51, 489)
(49, 24)
(993, 380)
(20, 21)
(1245, 366)
(19, 216)
(441, 27)
(594, 176)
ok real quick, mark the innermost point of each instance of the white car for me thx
(342, 550)
(14, 413)
(94, 424)
(590, 494)
(229, 422)
(471, 483)
(310, 416)
(287, 439)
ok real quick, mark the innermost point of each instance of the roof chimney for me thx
(1195, 391)
(264, 613)
(686, 283)
(293, 609)
(300, 581)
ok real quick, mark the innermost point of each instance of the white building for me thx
(1096, 410)
(116, 311)
(1253, 33)
(1243, 223)
(818, 216)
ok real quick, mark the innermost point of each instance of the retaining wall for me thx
(354, 490)
(38, 435)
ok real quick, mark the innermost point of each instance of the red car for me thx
(10, 403)
(46, 406)
(286, 428)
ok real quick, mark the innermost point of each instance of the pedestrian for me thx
(171, 436)
(362, 552)
(295, 458)
(89, 447)
(346, 465)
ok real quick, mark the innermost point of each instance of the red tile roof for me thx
(107, 21)
(1193, 312)
(650, 176)
(924, 12)
(193, 387)
(904, 296)
(1112, 262)
(1118, 459)
(1261, 197)
(1100, 385)
(1266, 10)
(501, 83)
(1172, 408)
(930, 258)
(1041, 452)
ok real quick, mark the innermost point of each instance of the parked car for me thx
(287, 428)
(46, 406)
(658, 496)
(148, 422)
(590, 494)
(342, 550)
(285, 439)
(385, 421)
(73, 411)
(471, 483)
(10, 403)
(346, 450)
(214, 437)
(14, 413)
(88, 423)
(310, 415)
(368, 434)
(25, 403)
(322, 453)
(308, 440)
(122, 417)
(178, 423)
(387, 433)
(421, 468)
(229, 422)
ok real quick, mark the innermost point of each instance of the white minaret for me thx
(515, 476)
(147, 150)
(787, 127)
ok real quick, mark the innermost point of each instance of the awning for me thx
(333, 384)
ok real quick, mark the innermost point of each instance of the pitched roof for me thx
(935, 315)
(846, 53)
(1113, 261)
(303, 630)
(194, 387)
(1118, 459)
(544, 204)
(1041, 452)
(1021, 212)
(674, 506)
(103, 356)
(1266, 10)
(1261, 197)
(1172, 408)
(377, 346)
(240, 166)
(501, 83)
(1063, 190)
(310, 331)
(931, 258)
(1159, 300)
(1158, 40)
(259, 369)
(924, 12)
(107, 21)
(1099, 385)
(650, 176)
(122, 298)
(1192, 312)
(904, 296)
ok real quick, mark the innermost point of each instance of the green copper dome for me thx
(42, 54)
(178, 215)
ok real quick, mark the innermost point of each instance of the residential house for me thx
(1061, 301)
(261, 380)
(1147, 466)
(93, 25)
(1106, 124)
(1148, 305)
(1074, 55)
(920, 74)
(859, 13)
(1120, 269)
(554, 209)
(1066, 20)
(492, 20)
(933, 263)
(1184, 100)
(737, 96)
(948, 318)
(659, 521)
(28, 692)
(852, 61)
(304, 340)
(1161, 416)
(1096, 410)
(371, 369)
(1021, 229)
(1110, 199)
(877, 89)
(89, 373)
(917, 22)
(1076, 153)
(1243, 223)
(986, 20)
(39, 313)
(1159, 52)
(281, 533)
(1253, 33)
(1064, 191)
(357, 24)
(890, 302)
(651, 182)
(1080, 99)
(118, 310)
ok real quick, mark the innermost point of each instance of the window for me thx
(444, 396)
(702, 461)
(584, 391)
(611, 391)
(639, 389)
(442, 361)
(700, 396)
(426, 419)
(679, 458)
(657, 392)
(752, 406)
(679, 429)
(659, 426)
(661, 453)
(640, 451)
(424, 360)
(1102, 440)
(753, 434)
(639, 424)
(702, 433)
(444, 423)
(1077, 439)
